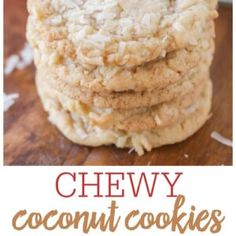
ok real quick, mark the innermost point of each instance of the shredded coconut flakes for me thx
(11, 64)
(218, 137)
(20, 61)
(9, 100)
(131, 150)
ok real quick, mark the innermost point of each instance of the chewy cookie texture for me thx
(130, 73)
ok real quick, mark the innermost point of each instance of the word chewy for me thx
(116, 184)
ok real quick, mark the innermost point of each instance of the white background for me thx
(33, 188)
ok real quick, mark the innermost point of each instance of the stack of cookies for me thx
(134, 73)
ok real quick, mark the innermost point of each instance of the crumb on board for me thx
(221, 139)
(186, 156)
(11, 64)
(19, 61)
(9, 100)
(131, 150)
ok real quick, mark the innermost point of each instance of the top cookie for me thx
(122, 33)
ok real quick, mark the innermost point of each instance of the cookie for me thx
(123, 33)
(132, 120)
(128, 99)
(81, 131)
(157, 74)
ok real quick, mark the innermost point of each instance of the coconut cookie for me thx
(80, 130)
(156, 74)
(123, 33)
(133, 120)
(127, 99)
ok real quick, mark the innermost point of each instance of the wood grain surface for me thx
(29, 139)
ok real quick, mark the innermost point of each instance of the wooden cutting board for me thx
(29, 139)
